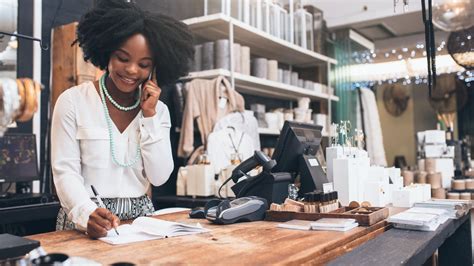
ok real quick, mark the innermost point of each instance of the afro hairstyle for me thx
(110, 23)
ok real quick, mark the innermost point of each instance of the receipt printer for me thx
(245, 209)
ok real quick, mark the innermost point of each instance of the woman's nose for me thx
(131, 69)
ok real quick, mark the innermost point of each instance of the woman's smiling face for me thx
(131, 64)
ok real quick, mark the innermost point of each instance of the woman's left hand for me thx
(150, 96)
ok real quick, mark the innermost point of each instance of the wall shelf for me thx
(216, 26)
(262, 87)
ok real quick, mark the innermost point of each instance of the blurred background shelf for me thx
(217, 26)
(262, 87)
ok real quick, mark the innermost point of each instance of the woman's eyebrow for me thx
(128, 54)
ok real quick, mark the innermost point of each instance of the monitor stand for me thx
(312, 175)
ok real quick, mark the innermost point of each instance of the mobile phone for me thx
(151, 73)
(148, 79)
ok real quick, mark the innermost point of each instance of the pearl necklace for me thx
(120, 107)
(102, 89)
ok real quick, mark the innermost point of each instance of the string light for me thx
(408, 63)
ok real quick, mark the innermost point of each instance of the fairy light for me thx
(403, 65)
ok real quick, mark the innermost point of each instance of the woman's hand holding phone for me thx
(150, 96)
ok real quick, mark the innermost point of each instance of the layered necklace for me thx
(117, 105)
(103, 90)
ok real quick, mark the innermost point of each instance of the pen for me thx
(101, 203)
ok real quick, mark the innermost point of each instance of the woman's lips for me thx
(129, 81)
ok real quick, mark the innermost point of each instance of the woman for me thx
(113, 134)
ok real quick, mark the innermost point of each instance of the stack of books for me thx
(421, 219)
(324, 224)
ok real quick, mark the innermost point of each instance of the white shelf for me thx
(262, 87)
(268, 131)
(217, 26)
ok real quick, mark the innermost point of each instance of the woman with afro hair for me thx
(113, 134)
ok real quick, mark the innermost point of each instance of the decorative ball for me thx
(453, 15)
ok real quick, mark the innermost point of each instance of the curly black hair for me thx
(110, 23)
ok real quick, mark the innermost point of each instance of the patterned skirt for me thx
(124, 208)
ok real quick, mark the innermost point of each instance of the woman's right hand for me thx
(101, 221)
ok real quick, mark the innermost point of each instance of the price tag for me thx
(328, 187)
(222, 102)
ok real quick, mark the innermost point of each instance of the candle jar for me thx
(217, 6)
(240, 9)
(256, 13)
(266, 8)
(303, 29)
(287, 18)
(278, 21)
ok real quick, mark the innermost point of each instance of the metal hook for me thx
(43, 45)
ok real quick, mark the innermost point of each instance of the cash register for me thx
(295, 154)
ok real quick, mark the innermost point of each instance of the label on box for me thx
(328, 187)
(313, 162)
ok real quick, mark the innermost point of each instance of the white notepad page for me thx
(147, 228)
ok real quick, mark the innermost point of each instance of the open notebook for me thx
(147, 228)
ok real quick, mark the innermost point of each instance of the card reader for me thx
(245, 209)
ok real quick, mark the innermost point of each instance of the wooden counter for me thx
(243, 243)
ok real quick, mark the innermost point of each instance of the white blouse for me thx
(81, 156)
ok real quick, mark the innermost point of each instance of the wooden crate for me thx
(375, 215)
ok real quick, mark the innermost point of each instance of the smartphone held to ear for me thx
(150, 76)
(151, 73)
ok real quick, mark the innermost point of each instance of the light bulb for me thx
(453, 15)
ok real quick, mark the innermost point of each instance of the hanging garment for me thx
(225, 142)
(245, 122)
(207, 101)
(373, 130)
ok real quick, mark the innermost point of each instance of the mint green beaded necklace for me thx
(116, 104)
(103, 89)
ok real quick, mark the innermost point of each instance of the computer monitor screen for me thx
(296, 139)
(18, 158)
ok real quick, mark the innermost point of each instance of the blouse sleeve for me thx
(66, 163)
(156, 145)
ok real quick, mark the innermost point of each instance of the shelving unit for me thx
(220, 26)
(216, 26)
(262, 87)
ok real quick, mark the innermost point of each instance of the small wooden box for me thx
(365, 216)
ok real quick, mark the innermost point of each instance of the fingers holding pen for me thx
(101, 221)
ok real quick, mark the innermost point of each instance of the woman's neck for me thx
(123, 98)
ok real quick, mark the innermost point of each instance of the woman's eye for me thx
(121, 59)
(144, 65)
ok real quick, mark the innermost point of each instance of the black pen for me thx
(101, 203)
